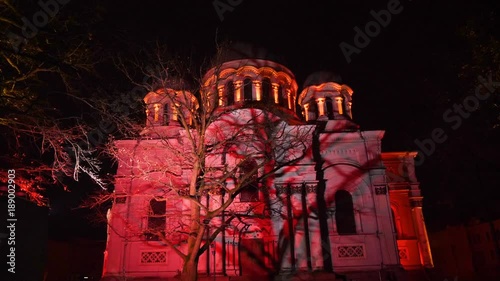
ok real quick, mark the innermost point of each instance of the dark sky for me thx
(388, 76)
(403, 79)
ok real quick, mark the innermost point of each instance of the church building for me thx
(336, 204)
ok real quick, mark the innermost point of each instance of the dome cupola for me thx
(245, 82)
(169, 107)
(325, 98)
(246, 75)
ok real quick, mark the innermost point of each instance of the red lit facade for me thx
(346, 206)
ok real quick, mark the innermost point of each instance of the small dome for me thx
(320, 77)
(325, 98)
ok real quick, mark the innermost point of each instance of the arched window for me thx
(156, 219)
(344, 214)
(329, 108)
(250, 190)
(247, 89)
(166, 114)
(283, 97)
(230, 93)
(313, 111)
(266, 89)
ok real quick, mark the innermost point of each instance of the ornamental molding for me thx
(403, 253)
(153, 257)
(184, 191)
(295, 188)
(341, 151)
(351, 251)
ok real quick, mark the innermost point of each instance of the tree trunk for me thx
(190, 271)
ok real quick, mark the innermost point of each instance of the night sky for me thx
(404, 78)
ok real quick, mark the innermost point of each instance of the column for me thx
(157, 112)
(257, 90)
(338, 100)
(423, 241)
(306, 111)
(220, 91)
(238, 90)
(289, 98)
(174, 112)
(275, 87)
(389, 250)
(321, 106)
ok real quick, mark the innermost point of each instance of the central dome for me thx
(245, 75)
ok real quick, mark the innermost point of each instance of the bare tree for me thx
(191, 173)
(42, 63)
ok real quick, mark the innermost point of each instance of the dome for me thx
(324, 97)
(320, 77)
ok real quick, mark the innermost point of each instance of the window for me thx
(156, 219)
(330, 108)
(282, 97)
(344, 214)
(230, 93)
(313, 110)
(266, 89)
(166, 115)
(247, 89)
(250, 191)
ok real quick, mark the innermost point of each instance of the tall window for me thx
(282, 97)
(166, 114)
(329, 108)
(247, 89)
(313, 110)
(344, 214)
(266, 89)
(250, 191)
(156, 219)
(230, 93)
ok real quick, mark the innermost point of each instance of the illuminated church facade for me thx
(347, 207)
